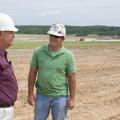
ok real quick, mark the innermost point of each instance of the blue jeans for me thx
(57, 106)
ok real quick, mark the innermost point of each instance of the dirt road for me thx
(98, 83)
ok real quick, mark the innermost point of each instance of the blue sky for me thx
(69, 12)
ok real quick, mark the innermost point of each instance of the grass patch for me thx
(67, 44)
(31, 35)
(88, 44)
(27, 45)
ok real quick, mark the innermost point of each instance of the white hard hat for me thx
(57, 29)
(6, 23)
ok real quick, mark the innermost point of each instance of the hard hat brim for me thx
(14, 29)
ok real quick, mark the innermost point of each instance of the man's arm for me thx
(72, 89)
(31, 83)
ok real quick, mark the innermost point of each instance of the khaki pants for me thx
(6, 113)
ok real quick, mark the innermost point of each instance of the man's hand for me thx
(31, 99)
(72, 88)
(70, 104)
(31, 83)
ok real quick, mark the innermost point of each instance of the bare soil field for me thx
(98, 83)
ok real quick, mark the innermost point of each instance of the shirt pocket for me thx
(2, 76)
(1, 70)
(7, 68)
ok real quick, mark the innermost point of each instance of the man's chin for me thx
(9, 45)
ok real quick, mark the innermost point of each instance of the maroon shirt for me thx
(8, 82)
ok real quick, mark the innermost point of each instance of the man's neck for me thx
(55, 49)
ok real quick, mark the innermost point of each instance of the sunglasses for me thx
(55, 36)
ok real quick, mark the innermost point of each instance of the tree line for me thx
(76, 30)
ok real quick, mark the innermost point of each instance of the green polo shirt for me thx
(52, 70)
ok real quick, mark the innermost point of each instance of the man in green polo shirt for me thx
(55, 69)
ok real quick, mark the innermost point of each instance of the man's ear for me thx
(63, 38)
(0, 35)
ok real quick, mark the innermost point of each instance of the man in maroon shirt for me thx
(8, 83)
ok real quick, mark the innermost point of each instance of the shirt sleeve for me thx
(34, 61)
(71, 67)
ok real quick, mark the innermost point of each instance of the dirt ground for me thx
(98, 83)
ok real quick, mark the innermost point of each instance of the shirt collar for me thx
(3, 52)
(60, 51)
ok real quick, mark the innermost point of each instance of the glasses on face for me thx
(55, 36)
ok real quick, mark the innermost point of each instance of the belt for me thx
(6, 105)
